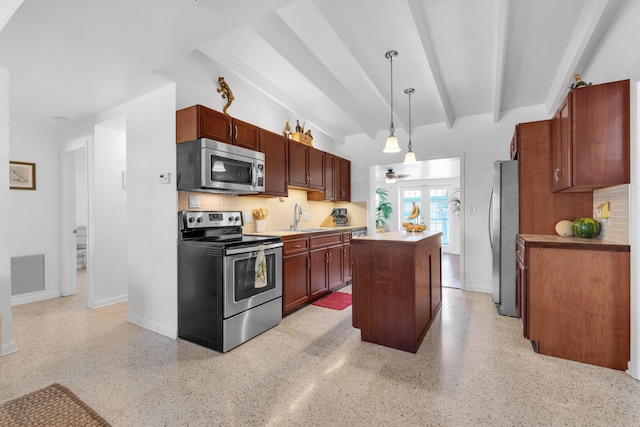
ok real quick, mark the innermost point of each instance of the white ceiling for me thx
(322, 59)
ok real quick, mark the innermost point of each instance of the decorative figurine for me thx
(308, 133)
(287, 129)
(226, 93)
(578, 82)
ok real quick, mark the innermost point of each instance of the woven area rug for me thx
(335, 301)
(54, 405)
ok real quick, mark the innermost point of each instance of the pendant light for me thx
(410, 157)
(392, 142)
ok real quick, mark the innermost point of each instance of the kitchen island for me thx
(397, 287)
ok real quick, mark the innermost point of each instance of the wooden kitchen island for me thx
(397, 287)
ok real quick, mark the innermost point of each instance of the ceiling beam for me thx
(256, 79)
(274, 30)
(500, 48)
(592, 23)
(442, 99)
(338, 19)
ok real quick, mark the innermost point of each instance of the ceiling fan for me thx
(392, 176)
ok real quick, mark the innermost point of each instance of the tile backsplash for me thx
(617, 229)
(280, 208)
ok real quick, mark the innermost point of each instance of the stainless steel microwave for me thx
(216, 167)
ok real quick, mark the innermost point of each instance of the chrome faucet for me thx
(297, 213)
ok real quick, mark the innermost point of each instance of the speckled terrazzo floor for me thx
(473, 368)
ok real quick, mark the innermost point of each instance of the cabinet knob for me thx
(297, 246)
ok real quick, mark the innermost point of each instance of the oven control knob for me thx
(199, 219)
(230, 219)
(191, 219)
(237, 218)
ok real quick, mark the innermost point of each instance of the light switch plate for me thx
(194, 201)
(165, 178)
(247, 218)
(305, 216)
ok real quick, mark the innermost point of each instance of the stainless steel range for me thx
(229, 284)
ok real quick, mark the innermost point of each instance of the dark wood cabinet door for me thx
(334, 267)
(343, 192)
(214, 125)
(298, 164)
(316, 168)
(246, 135)
(436, 281)
(347, 263)
(275, 151)
(600, 117)
(318, 272)
(329, 173)
(561, 148)
(295, 290)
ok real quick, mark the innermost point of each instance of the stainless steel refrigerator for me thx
(503, 227)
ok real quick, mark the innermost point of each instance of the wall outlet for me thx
(194, 201)
(305, 216)
(248, 218)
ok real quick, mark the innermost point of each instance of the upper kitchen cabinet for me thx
(275, 151)
(198, 121)
(539, 209)
(306, 167)
(342, 180)
(590, 138)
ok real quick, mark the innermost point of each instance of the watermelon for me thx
(585, 227)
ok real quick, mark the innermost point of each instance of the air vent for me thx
(27, 274)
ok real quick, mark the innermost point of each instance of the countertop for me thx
(400, 236)
(554, 241)
(288, 234)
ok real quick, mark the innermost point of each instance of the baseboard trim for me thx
(8, 348)
(108, 301)
(152, 326)
(477, 288)
(33, 297)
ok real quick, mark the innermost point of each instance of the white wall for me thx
(35, 215)
(151, 210)
(6, 342)
(80, 163)
(480, 142)
(616, 59)
(107, 232)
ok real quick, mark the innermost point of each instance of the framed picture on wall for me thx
(22, 176)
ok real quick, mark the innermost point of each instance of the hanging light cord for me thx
(409, 92)
(390, 55)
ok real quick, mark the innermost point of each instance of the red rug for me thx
(335, 301)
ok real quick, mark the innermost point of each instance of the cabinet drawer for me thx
(346, 238)
(295, 246)
(521, 254)
(326, 240)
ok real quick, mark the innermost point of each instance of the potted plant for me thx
(383, 210)
(454, 203)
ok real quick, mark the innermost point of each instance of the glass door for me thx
(433, 202)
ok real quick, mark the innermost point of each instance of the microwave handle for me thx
(254, 175)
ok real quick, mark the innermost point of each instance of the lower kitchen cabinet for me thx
(295, 274)
(347, 258)
(575, 298)
(312, 267)
(326, 263)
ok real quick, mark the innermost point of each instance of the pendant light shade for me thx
(392, 142)
(410, 157)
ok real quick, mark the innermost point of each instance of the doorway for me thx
(436, 186)
(75, 227)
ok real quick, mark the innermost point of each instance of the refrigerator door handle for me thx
(490, 218)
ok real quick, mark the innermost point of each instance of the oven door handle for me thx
(253, 249)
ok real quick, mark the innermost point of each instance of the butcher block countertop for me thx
(290, 234)
(560, 242)
(401, 236)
